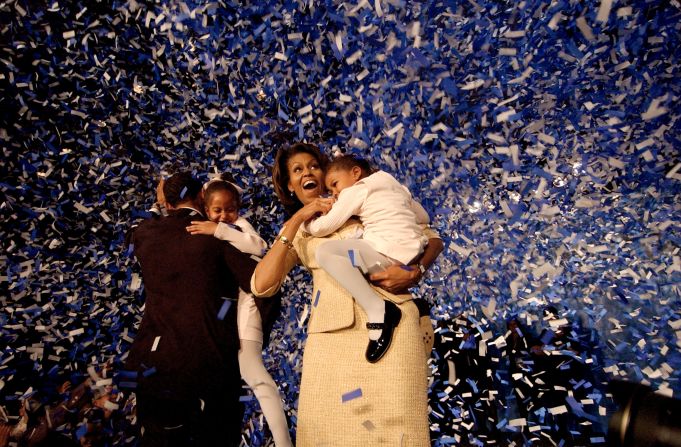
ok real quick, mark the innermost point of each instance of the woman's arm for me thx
(399, 278)
(273, 266)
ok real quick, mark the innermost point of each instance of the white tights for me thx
(334, 258)
(259, 380)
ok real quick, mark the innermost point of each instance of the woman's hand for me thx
(399, 278)
(396, 278)
(202, 227)
(317, 206)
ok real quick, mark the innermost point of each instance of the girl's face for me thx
(306, 178)
(222, 206)
(338, 179)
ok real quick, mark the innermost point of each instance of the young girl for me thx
(392, 235)
(222, 201)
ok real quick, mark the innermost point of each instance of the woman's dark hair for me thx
(221, 185)
(180, 187)
(280, 177)
(347, 162)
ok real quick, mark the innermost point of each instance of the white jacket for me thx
(391, 218)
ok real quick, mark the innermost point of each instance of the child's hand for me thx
(202, 227)
(315, 208)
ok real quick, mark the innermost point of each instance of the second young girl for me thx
(222, 200)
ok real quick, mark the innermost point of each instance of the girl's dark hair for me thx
(347, 162)
(221, 185)
(280, 177)
(180, 187)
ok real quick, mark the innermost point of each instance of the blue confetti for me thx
(350, 395)
(541, 137)
(351, 255)
(226, 304)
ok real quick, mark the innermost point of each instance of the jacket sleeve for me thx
(349, 203)
(241, 265)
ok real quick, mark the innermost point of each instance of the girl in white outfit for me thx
(392, 235)
(222, 201)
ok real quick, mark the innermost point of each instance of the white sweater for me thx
(247, 240)
(390, 216)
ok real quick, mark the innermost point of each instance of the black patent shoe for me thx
(377, 348)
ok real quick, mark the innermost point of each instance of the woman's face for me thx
(306, 178)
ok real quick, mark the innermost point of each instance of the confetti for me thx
(540, 136)
(224, 308)
(351, 395)
(154, 345)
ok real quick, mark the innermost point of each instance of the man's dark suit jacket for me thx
(182, 348)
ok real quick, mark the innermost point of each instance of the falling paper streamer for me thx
(351, 395)
(100, 101)
(224, 308)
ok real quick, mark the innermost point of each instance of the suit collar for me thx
(186, 211)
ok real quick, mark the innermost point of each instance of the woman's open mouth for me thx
(309, 184)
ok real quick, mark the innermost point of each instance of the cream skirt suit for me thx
(346, 401)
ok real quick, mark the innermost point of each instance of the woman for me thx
(344, 400)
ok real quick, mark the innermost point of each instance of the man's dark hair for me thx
(181, 187)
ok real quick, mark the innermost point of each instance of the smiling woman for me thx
(298, 175)
(382, 403)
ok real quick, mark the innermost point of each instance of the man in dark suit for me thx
(185, 351)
